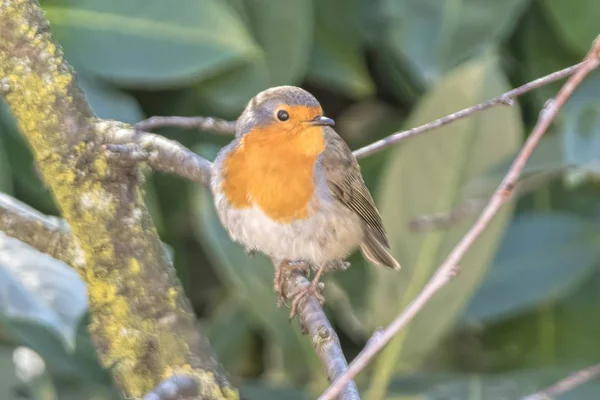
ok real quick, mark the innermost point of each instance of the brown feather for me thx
(347, 186)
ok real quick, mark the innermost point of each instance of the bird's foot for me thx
(313, 289)
(338, 265)
(282, 273)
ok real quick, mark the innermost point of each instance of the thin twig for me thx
(228, 127)
(324, 338)
(504, 99)
(49, 235)
(216, 125)
(569, 383)
(450, 265)
(176, 387)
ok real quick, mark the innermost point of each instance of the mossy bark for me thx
(142, 324)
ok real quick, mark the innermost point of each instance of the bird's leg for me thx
(312, 289)
(280, 276)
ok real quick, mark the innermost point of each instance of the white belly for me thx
(331, 233)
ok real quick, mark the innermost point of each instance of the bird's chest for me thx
(280, 181)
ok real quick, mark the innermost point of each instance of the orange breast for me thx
(274, 170)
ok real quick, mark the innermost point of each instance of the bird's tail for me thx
(377, 252)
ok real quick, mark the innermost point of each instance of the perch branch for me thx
(502, 193)
(216, 125)
(569, 383)
(49, 235)
(323, 336)
(142, 325)
(169, 156)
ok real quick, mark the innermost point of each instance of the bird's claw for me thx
(281, 276)
(313, 289)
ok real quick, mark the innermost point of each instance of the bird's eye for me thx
(283, 115)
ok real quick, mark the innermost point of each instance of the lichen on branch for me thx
(142, 324)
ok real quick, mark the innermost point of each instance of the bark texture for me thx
(142, 324)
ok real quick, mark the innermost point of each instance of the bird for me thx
(288, 186)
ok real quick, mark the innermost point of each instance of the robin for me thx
(289, 186)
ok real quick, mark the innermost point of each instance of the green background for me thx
(523, 311)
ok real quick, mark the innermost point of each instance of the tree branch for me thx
(176, 387)
(322, 334)
(160, 153)
(451, 264)
(142, 325)
(169, 156)
(567, 384)
(46, 234)
(216, 125)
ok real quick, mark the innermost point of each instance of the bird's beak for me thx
(321, 121)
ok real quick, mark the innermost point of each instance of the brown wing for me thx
(346, 184)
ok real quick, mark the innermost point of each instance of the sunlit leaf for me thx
(425, 176)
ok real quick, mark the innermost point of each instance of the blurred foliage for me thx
(523, 310)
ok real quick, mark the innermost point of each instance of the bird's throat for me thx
(275, 172)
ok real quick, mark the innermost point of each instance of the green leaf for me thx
(425, 176)
(543, 54)
(545, 163)
(230, 91)
(27, 182)
(580, 123)
(513, 385)
(284, 29)
(337, 60)
(9, 382)
(250, 281)
(230, 336)
(433, 36)
(260, 391)
(576, 21)
(542, 257)
(156, 44)
(6, 182)
(37, 288)
(109, 102)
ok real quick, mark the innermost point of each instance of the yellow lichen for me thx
(134, 266)
(139, 348)
(172, 298)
